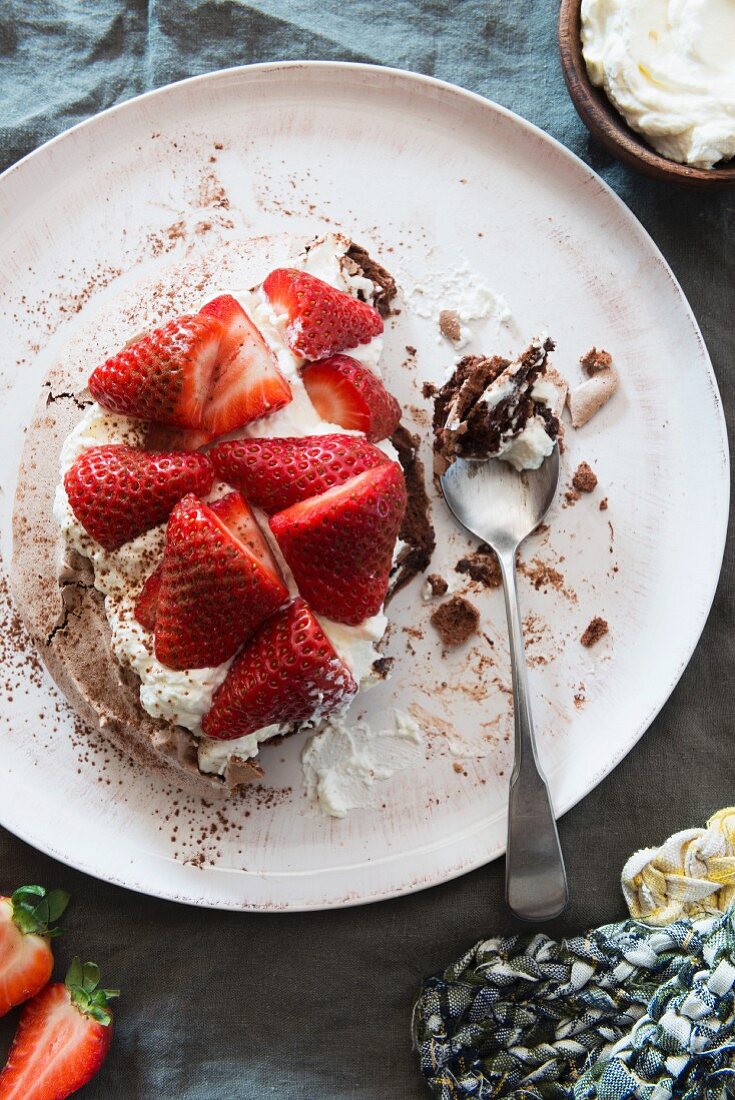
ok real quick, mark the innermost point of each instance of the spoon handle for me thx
(535, 878)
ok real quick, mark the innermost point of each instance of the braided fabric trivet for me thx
(623, 1011)
(692, 874)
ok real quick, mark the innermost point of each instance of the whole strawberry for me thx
(62, 1040)
(339, 545)
(118, 492)
(165, 376)
(320, 319)
(288, 672)
(275, 473)
(27, 923)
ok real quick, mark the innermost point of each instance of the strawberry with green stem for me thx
(27, 925)
(62, 1040)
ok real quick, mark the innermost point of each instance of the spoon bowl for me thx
(496, 502)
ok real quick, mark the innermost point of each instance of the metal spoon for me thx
(503, 507)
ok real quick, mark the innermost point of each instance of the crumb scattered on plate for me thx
(585, 478)
(456, 620)
(597, 629)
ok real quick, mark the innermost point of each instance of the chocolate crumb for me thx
(437, 585)
(585, 478)
(455, 621)
(428, 390)
(411, 350)
(481, 566)
(597, 629)
(603, 504)
(571, 496)
(383, 666)
(450, 326)
(384, 281)
(417, 530)
(595, 360)
(466, 425)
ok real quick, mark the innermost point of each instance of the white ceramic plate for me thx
(162, 192)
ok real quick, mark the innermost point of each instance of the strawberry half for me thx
(276, 473)
(237, 516)
(344, 392)
(289, 672)
(62, 1039)
(215, 592)
(247, 383)
(340, 544)
(26, 925)
(160, 437)
(118, 492)
(164, 376)
(146, 604)
(320, 319)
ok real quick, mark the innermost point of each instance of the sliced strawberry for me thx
(344, 392)
(237, 516)
(214, 591)
(320, 319)
(340, 544)
(160, 437)
(165, 376)
(118, 492)
(62, 1039)
(276, 473)
(147, 602)
(26, 925)
(288, 672)
(247, 383)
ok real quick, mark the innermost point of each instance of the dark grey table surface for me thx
(220, 1006)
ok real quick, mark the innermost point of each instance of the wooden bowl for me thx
(609, 127)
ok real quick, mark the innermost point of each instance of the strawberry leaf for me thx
(57, 903)
(82, 981)
(34, 910)
(75, 974)
(90, 977)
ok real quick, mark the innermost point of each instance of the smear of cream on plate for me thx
(342, 763)
(463, 291)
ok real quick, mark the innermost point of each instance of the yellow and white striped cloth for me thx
(692, 874)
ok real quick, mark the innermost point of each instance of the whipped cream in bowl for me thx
(668, 67)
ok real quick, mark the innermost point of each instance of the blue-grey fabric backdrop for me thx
(221, 1006)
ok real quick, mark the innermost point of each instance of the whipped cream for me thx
(343, 763)
(184, 697)
(466, 294)
(668, 66)
(528, 449)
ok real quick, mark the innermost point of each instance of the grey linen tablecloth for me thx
(219, 1006)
